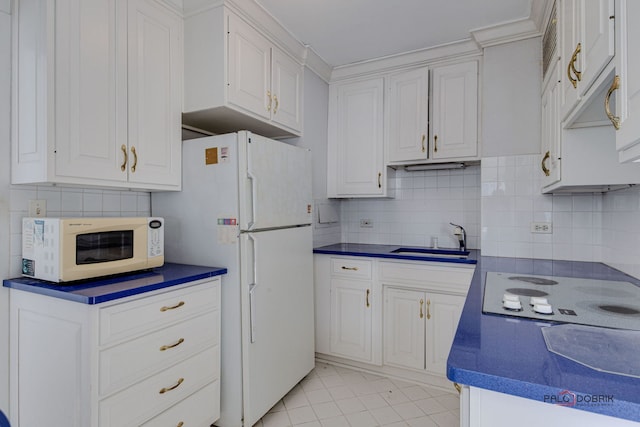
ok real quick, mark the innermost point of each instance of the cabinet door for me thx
(571, 55)
(356, 163)
(249, 69)
(90, 119)
(628, 64)
(407, 109)
(404, 328)
(155, 94)
(351, 319)
(455, 111)
(551, 129)
(286, 89)
(443, 314)
(598, 39)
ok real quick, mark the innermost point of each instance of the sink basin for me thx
(435, 253)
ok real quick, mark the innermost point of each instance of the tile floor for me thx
(332, 396)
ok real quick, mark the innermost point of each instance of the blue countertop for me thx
(509, 355)
(386, 251)
(111, 288)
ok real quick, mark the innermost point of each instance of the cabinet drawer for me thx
(200, 409)
(133, 318)
(348, 267)
(127, 363)
(150, 397)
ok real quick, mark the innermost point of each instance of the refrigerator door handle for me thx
(253, 179)
(252, 313)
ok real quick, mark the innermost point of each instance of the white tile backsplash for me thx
(425, 203)
(68, 202)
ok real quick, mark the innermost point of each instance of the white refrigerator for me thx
(245, 205)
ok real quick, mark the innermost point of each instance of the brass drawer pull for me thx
(135, 159)
(123, 166)
(435, 143)
(458, 387)
(349, 268)
(379, 180)
(428, 310)
(421, 304)
(167, 347)
(270, 100)
(572, 67)
(275, 108)
(180, 424)
(543, 164)
(423, 138)
(173, 387)
(368, 292)
(173, 307)
(607, 108)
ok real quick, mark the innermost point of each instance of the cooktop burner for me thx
(607, 303)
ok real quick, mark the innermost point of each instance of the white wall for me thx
(621, 230)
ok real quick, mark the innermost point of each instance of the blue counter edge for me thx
(116, 287)
(385, 251)
(533, 385)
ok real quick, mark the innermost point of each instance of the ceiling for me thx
(347, 31)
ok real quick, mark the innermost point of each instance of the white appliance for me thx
(245, 205)
(69, 249)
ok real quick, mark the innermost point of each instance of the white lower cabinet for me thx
(396, 318)
(146, 360)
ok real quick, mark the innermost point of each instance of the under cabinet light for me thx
(434, 166)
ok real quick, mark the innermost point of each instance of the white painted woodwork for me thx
(242, 80)
(598, 39)
(155, 49)
(75, 364)
(569, 33)
(408, 115)
(489, 408)
(355, 147)
(551, 127)
(91, 80)
(454, 129)
(351, 319)
(443, 314)
(628, 67)
(404, 328)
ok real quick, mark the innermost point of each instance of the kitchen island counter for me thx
(111, 288)
(508, 355)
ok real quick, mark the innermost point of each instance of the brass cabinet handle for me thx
(135, 159)
(168, 346)
(572, 67)
(349, 268)
(275, 108)
(173, 387)
(428, 310)
(435, 143)
(423, 138)
(368, 292)
(123, 166)
(421, 313)
(458, 387)
(173, 307)
(543, 165)
(607, 107)
(270, 100)
(180, 424)
(379, 180)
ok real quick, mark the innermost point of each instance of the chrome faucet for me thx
(462, 236)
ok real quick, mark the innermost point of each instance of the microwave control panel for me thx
(155, 237)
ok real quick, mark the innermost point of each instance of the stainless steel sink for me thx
(433, 253)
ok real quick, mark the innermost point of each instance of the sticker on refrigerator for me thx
(227, 231)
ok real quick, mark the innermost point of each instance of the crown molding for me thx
(315, 63)
(460, 49)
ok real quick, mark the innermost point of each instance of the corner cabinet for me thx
(356, 164)
(236, 78)
(144, 361)
(97, 94)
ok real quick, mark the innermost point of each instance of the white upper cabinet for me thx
(408, 112)
(628, 92)
(355, 147)
(97, 94)
(236, 78)
(454, 119)
(551, 127)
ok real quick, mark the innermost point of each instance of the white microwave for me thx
(69, 249)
